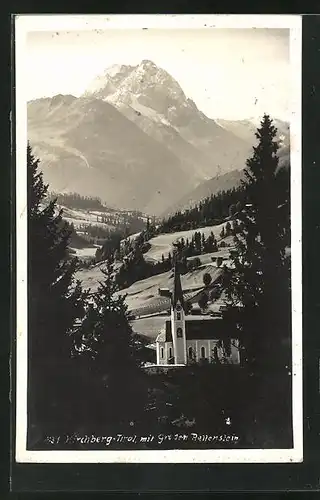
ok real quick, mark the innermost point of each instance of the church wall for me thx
(169, 351)
(165, 350)
(161, 353)
(196, 345)
(209, 346)
(193, 345)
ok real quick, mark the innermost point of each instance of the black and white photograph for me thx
(158, 229)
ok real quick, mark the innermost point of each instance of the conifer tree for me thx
(203, 242)
(207, 279)
(55, 302)
(215, 245)
(234, 227)
(260, 282)
(259, 291)
(203, 301)
(117, 355)
(238, 206)
(232, 210)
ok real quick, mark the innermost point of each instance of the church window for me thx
(178, 316)
(203, 352)
(170, 352)
(179, 332)
(190, 352)
(161, 352)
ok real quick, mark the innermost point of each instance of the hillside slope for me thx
(142, 297)
(207, 188)
(163, 243)
(223, 182)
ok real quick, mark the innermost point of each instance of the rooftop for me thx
(197, 327)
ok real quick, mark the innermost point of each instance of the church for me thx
(185, 339)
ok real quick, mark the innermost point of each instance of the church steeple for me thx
(178, 324)
(177, 294)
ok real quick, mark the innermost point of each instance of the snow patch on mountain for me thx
(114, 70)
(108, 80)
(119, 82)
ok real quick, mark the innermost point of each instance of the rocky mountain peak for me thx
(123, 84)
(108, 82)
(147, 63)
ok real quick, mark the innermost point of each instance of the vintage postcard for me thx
(158, 239)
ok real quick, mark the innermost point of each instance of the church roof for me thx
(197, 329)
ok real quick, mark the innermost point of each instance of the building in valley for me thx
(186, 339)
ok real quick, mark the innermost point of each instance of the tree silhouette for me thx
(115, 355)
(55, 303)
(207, 279)
(260, 282)
(258, 288)
(203, 301)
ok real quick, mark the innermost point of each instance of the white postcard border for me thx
(25, 23)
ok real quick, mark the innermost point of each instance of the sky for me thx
(229, 73)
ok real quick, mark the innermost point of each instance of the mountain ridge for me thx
(89, 133)
(149, 92)
(133, 138)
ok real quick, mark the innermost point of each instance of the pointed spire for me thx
(177, 294)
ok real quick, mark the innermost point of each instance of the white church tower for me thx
(178, 324)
